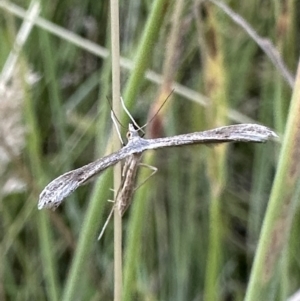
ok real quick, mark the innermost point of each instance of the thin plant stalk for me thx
(276, 227)
(115, 53)
(143, 58)
(44, 229)
(145, 50)
(214, 76)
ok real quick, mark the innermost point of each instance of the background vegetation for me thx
(192, 230)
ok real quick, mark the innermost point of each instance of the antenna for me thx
(114, 119)
(131, 118)
(158, 110)
(112, 112)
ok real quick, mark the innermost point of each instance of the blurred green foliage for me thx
(66, 123)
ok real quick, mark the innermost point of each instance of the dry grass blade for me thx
(265, 44)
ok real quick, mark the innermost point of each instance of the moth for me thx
(60, 188)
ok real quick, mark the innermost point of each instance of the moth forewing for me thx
(125, 193)
(232, 133)
(61, 187)
(127, 188)
(57, 190)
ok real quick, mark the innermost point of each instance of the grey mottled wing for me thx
(54, 193)
(57, 190)
(232, 133)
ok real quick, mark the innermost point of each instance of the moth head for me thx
(132, 132)
(128, 135)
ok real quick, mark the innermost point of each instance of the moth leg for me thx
(116, 126)
(111, 201)
(154, 170)
(110, 214)
(106, 222)
(113, 190)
